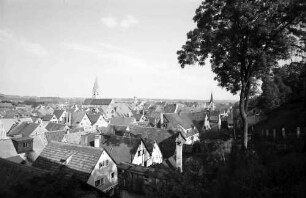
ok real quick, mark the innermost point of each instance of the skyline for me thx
(58, 47)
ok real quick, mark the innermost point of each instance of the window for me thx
(25, 144)
(99, 182)
(112, 175)
(104, 163)
(139, 153)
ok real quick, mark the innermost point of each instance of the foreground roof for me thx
(82, 159)
(121, 149)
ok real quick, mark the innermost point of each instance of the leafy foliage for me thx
(243, 40)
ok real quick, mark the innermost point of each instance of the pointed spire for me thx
(95, 90)
(211, 98)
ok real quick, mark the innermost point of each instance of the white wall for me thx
(157, 156)
(104, 172)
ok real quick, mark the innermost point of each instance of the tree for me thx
(243, 40)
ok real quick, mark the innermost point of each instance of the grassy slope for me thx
(288, 116)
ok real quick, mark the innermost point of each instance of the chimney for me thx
(97, 141)
(84, 140)
(179, 153)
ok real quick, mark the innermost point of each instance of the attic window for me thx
(25, 144)
(99, 182)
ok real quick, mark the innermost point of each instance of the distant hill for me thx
(288, 116)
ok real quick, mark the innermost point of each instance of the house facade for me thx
(88, 164)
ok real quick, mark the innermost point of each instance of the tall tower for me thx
(211, 103)
(95, 90)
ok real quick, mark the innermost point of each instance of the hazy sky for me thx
(58, 47)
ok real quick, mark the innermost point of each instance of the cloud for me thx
(8, 39)
(110, 22)
(127, 22)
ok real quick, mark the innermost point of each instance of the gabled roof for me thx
(123, 121)
(122, 109)
(25, 129)
(138, 116)
(170, 108)
(7, 149)
(9, 122)
(121, 149)
(55, 126)
(177, 120)
(47, 117)
(58, 113)
(164, 138)
(82, 159)
(92, 101)
(77, 117)
(93, 118)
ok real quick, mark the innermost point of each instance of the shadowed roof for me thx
(82, 162)
(177, 120)
(55, 135)
(58, 113)
(121, 149)
(25, 129)
(55, 126)
(91, 101)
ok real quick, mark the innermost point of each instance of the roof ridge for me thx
(77, 145)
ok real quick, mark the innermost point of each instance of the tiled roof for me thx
(47, 117)
(170, 108)
(138, 116)
(124, 121)
(58, 113)
(122, 109)
(55, 135)
(164, 138)
(177, 120)
(121, 149)
(93, 118)
(91, 101)
(7, 149)
(55, 126)
(8, 123)
(77, 117)
(82, 162)
(25, 129)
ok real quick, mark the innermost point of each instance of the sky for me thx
(58, 47)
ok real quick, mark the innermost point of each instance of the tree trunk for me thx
(243, 114)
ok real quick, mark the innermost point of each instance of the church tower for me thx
(211, 103)
(95, 90)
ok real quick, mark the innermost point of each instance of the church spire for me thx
(95, 90)
(211, 98)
